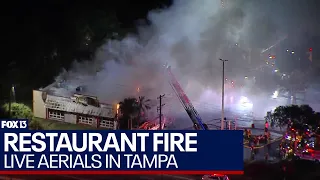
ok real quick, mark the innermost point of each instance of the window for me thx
(54, 105)
(85, 120)
(55, 115)
(107, 123)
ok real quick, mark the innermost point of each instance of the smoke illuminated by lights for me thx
(190, 36)
(275, 94)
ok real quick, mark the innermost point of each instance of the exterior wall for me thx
(108, 124)
(95, 122)
(39, 109)
(98, 122)
(56, 115)
(57, 108)
(87, 120)
(116, 125)
(70, 118)
(67, 104)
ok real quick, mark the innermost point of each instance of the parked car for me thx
(215, 177)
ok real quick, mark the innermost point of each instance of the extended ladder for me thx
(186, 103)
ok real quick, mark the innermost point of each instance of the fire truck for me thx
(308, 154)
(185, 101)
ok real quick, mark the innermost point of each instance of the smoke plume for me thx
(190, 36)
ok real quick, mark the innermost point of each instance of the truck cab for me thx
(309, 154)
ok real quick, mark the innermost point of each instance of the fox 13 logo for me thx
(14, 124)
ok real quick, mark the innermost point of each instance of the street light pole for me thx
(222, 94)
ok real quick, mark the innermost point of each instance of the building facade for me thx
(79, 109)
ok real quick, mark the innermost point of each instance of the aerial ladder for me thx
(186, 103)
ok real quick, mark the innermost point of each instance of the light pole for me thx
(222, 94)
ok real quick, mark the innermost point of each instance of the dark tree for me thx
(298, 115)
(129, 109)
(42, 37)
(143, 106)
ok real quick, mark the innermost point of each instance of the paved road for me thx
(114, 177)
(294, 170)
(260, 152)
(262, 130)
(102, 177)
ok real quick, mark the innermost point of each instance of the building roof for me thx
(67, 104)
(112, 94)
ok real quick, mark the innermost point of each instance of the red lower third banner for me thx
(120, 172)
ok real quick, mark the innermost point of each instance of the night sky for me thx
(35, 29)
(42, 34)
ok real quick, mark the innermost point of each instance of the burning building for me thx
(74, 107)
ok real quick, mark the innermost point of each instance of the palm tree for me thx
(143, 106)
(128, 110)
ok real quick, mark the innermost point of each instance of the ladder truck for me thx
(186, 103)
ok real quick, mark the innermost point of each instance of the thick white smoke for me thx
(191, 36)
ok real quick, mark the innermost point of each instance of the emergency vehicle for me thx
(308, 154)
(215, 177)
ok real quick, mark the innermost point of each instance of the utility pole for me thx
(160, 110)
(10, 97)
(222, 94)
(13, 93)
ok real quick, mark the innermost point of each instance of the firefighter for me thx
(265, 138)
(255, 140)
(266, 157)
(249, 133)
(252, 152)
(245, 133)
(280, 149)
(266, 126)
(284, 171)
(269, 147)
(289, 124)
